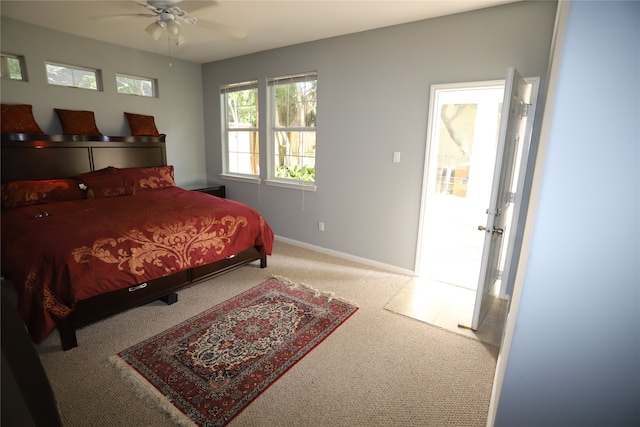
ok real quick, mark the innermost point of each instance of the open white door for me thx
(512, 134)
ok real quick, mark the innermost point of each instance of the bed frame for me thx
(32, 156)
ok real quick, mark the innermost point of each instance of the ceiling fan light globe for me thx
(173, 29)
(154, 30)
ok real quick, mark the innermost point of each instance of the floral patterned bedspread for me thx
(60, 253)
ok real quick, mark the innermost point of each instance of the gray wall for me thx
(180, 90)
(575, 351)
(373, 94)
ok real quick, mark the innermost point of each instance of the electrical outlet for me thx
(321, 226)
(396, 157)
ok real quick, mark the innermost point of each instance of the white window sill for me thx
(241, 178)
(302, 185)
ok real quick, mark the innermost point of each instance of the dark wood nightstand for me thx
(217, 190)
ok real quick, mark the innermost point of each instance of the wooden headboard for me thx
(32, 156)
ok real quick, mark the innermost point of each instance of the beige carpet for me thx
(378, 369)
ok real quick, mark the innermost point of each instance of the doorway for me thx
(464, 123)
(462, 143)
(477, 150)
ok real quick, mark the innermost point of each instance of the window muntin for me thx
(240, 128)
(73, 76)
(133, 85)
(12, 67)
(293, 106)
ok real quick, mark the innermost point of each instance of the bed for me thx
(103, 228)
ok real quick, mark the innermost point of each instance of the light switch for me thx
(396, 157)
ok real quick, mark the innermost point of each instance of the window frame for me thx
(152, 81)
(252, 84)
(272, 179)
(97, 73)
(21, 63)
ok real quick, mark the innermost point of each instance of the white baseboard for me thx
(365, 261)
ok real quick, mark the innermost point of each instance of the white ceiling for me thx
(244, 26)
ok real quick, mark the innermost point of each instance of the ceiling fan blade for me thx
(145, 5)
(221, 29)
(123, 16)
(191, 6)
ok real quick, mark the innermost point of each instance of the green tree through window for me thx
(294, 126)
(66, 75)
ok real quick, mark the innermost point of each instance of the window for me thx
(133, 85)
(12, 67)
(292, 104)
(240, 128)
(71, 76)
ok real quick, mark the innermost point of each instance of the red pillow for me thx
(76, 122)
(17, 194)
(142, 125)
(146, 178)
(18, 118)
(107, 182)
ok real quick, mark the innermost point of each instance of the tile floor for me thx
(448, 306)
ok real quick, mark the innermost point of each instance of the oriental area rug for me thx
(206, 370)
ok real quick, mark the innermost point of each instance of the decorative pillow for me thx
(141, 179)
(18, 118)
(17, 194)
(142, 125)
(76, 122)
(107, 182)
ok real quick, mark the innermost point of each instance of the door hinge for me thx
(511, 197)
(524, 109)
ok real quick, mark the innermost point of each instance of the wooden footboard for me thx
(105, 305)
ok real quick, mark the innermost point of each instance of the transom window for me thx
(12, 67)
(133, 85)
(73, 76)
(240, 128)
(293, 106)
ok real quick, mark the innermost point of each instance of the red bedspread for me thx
(60, 253)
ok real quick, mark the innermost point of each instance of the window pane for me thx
(240, 102)
(295, 156)
(243, 153)
(11, 67)
(85, 79)
(135, 85)
(242, 108)
(57, 75)
(66, 75)
(294, 106)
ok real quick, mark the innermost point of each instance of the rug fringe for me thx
(328, 295)
(148, 393)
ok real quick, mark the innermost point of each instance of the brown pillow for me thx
(142, 125)
(18, 118)
(141, 179)
(77, 122)
(17, 194)
(107, 182)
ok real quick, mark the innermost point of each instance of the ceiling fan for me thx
(169, 16)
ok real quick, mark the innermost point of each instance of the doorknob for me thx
(482, 228)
